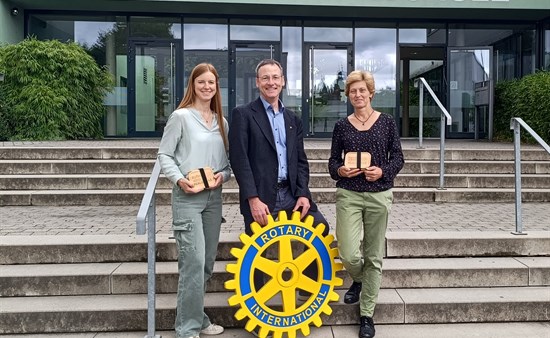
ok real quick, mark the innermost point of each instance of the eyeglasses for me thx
(275, 78)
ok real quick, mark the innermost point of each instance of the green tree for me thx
(527, 98)
(51, 91)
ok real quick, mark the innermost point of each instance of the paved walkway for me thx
(88, 220)
(81, 220)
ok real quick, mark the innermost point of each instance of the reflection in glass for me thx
(328, 102)
(207, 43)
(292, 59)
(205, 36)
(155, 27)
(507, 42)
(547, 49)
(255, 33)
(246, 60)
(104, 38)
(413, 35)
(328, 34)
(432, 72)
(469, 69)
(375, 51)
(155, 85)
(423, 32)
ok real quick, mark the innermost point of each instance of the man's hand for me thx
(303, 204)
(259, 210)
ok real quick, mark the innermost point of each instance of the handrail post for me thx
(442, 154)
(515, 124)
(420, 114)
(444, 116)
(151, 273)
(146, 221)
(517, 175)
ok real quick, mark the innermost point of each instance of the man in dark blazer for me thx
(266, 151)
(255, 146)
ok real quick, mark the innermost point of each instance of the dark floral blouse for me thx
(381, 141)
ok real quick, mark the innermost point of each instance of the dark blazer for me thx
(253, 156)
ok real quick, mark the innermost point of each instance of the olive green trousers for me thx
(363, 216)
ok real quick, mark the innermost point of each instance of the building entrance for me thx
(154, 88)
(461, 78)
(326, 68)
(429, 63)
(471, 92)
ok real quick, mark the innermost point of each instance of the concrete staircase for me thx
(70, 284)
(53, 284)
(118, 176)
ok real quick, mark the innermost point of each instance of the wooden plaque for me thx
(202, 177)
(357, 159)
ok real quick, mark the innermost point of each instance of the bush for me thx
(51, 91)
(527, 98)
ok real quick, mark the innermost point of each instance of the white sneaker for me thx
(212, 329)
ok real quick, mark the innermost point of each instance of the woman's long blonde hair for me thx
(216, 102)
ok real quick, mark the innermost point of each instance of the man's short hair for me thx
(268, 62)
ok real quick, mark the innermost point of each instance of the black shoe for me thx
(367, 327)
(352, 295)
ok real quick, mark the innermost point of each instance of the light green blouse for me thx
(188, 144)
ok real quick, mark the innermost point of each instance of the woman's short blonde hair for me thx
(360, 75)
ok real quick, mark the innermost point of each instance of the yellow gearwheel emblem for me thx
(269, 250)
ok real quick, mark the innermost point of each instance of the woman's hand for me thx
(344, 171)
(373, 173)
(188, 187)
(218, 181)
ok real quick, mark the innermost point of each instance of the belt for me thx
(282, 184)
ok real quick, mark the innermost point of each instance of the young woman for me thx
(195, 137)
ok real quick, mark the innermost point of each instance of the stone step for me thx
(131, 277)
(72, 166)
(231, 196)
(131, 248)
(456, 167)
(317, 180)
(410, 152)
(395, 306)
(145, 166)
(451, 330)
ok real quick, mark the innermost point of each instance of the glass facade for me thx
(151, 57)
(214, 50)
(513, 46)
(546, 48)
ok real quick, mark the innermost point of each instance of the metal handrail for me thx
(515, 124)
(444, 114)
(146, 220)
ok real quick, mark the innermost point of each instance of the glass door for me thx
(428, 62)
(325, 103)
(243, 58)
(155, 89)
(470, 92)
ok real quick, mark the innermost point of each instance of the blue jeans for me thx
(196, 222)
